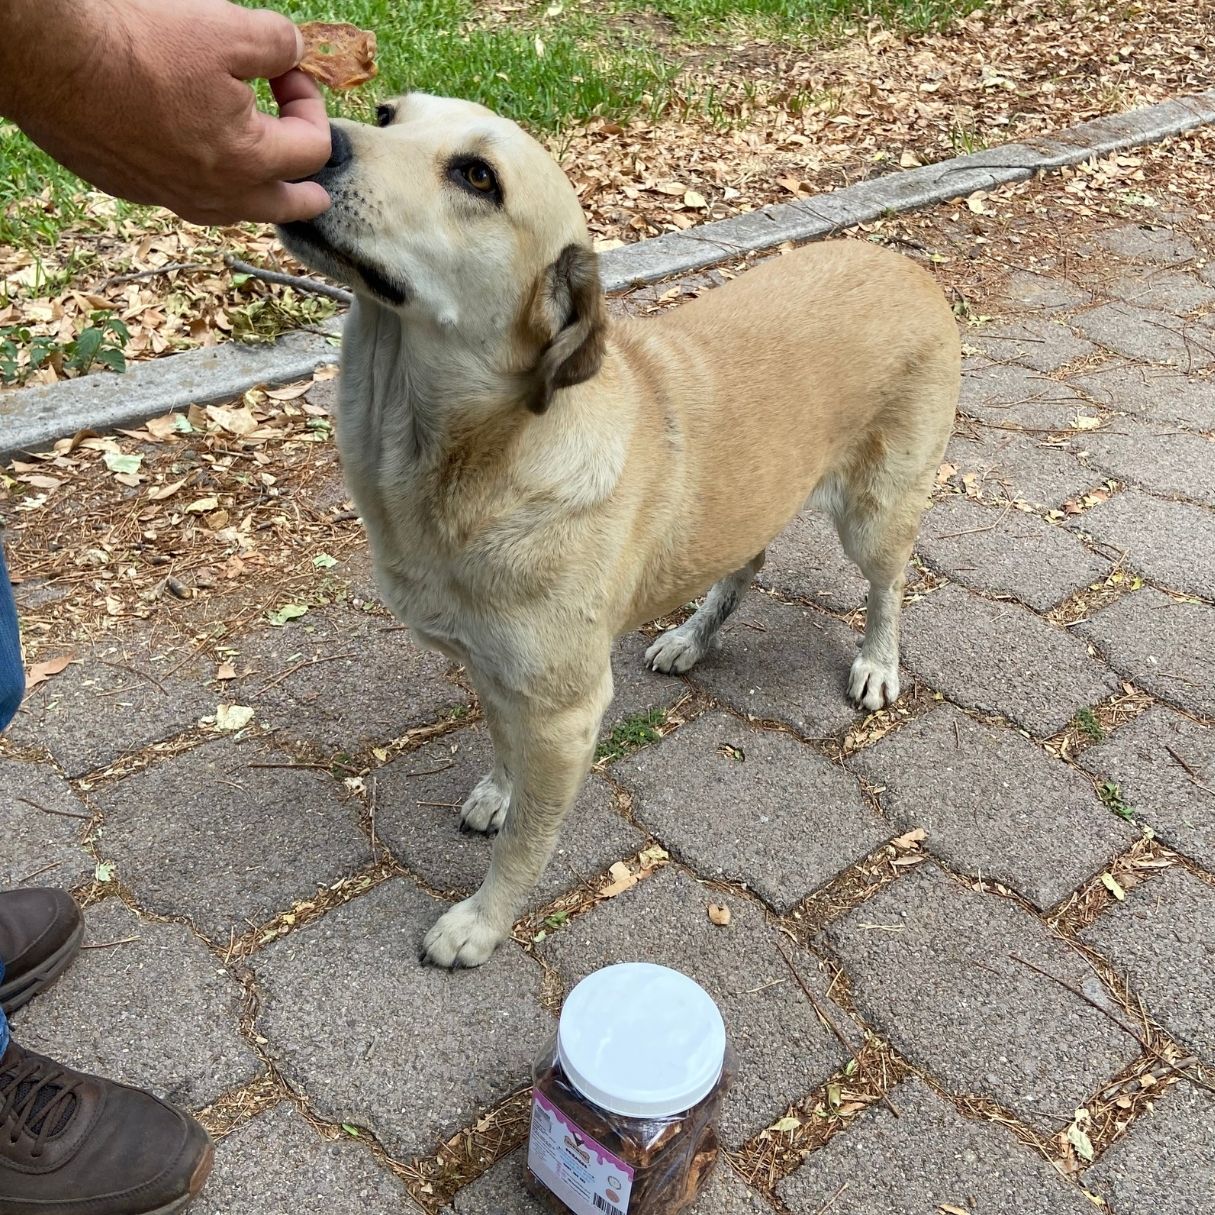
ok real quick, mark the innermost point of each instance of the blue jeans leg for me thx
(12, 688)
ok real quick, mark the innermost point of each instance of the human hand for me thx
(148, 101)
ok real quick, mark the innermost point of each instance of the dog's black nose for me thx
(341, 152)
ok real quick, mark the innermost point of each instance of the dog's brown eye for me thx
(480, 176)
(384, 114)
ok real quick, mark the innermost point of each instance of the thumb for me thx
(266, 46)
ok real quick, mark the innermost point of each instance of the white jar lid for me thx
(641, 1040)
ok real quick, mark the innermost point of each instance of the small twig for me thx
(439, 805)
(1189, 771)
(122, 666)
(821, 1013)
(299, 666)
(139, 275)
(432, 771)
(113, 944)
(289, 280)
(314, 767)
(29, 877)
(46, 810)
(831, 1201)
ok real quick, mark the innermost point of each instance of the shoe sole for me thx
(20, 992)
(197, 1181)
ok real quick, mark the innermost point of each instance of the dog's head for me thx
(454, 217)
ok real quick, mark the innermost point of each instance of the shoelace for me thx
(36, 1099)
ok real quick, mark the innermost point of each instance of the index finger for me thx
(299, 96)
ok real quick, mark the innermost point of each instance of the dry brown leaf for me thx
(226, 671)
(40, 672)
(910, 840)
(623, 879)
(719, 914)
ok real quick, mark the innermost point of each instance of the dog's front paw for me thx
(461, 938)
(485, 810)
(873, 684)
(676, 651)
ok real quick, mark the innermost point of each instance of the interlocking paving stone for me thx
(374, 1038)
(1000, 658)
(784, 1052)
(121, 695)
(807, 561)
(994, 804)
(1042, 345)
(1140, 759)
(1161, 939)
(1144, 335)
(935, 977)
(1169, 291)
(208, 836)
(1161, 246)
(278, 1165)
(1154, 455)
(783, 819)
(783, 662)
(1026, 289)
(1160, 394)
(502, 1191)
(427, 840)
(1006, 552)
(372, 685)
(928, 1156)
(638, 689)
(41, 846)
(1015, 397)
(158, 1011)
(1165, 1164)
(1169, 542)
(1161, 645)
(1005, 466)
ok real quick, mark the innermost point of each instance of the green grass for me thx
(1111, 797)
(1087, 723)
(631, 734)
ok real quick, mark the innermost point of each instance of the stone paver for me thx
(932, 970)
(1145, 336)
(1037, 343)
(1042, 292)
(1159, 394)
(41, 843)
(994, 804)
(785, 663)
(502, 1191)
(1000, 658)
(1161, 939)
(637, 688)
(1172, 543)
(1167, 290)
(806, 561)
(1166, 1161)
(1016, 397)
(1003, 466)
(784, 1052)
(1162, 645)
(1155, 455)
(119, 696)
(751, 805)
(342, 680)
(1006, 552)
(212, 837)
(1147, 760)
(278, 1165)
(928, 1159)
(373, 1038)
(157, 1011)
(418, 799)
(1161, 246)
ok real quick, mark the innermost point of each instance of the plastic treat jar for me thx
(626, 1095)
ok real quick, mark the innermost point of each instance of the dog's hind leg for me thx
(879, 536)
(551, 749)
(680, 649)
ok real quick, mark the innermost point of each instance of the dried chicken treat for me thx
(338, 55)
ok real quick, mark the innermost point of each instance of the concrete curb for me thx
(32, 419)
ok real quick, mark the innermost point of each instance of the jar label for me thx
(579, 1170)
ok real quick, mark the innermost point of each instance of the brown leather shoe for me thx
(40, 934)
(72, 1144)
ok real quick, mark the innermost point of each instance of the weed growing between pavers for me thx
(632, 734)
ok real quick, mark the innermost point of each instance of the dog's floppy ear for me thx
(568, 310)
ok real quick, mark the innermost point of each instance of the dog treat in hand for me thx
(626, 1096)
(338, 55)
